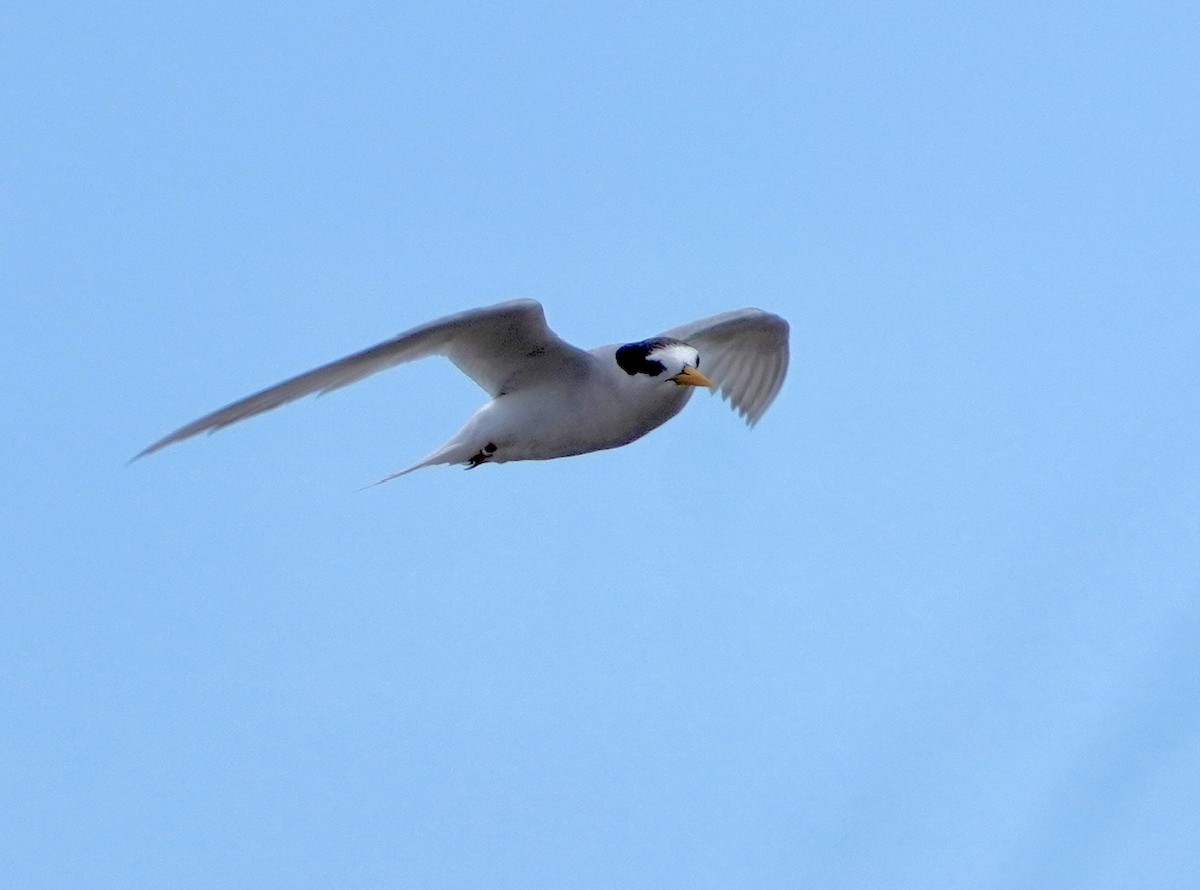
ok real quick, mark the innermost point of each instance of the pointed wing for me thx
(489, 345)
(745, 353)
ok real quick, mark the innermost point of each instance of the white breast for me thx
(606, 408)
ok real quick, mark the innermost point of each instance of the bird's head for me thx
(663, 359)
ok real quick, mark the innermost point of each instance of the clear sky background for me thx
(935, 622)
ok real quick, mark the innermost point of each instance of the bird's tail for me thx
(456, 451)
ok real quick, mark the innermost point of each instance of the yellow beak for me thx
(689, 376)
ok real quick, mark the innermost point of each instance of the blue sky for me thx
(935, 622)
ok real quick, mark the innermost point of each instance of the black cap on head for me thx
(633, 357)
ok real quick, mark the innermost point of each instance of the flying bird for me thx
(551, 399)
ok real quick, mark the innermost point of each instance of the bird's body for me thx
(572, 414)
(550, 399)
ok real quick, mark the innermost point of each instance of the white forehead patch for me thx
(674, 356)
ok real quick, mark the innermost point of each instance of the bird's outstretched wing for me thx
(490, 345)
(743, 352)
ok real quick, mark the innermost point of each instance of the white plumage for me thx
(549, 398)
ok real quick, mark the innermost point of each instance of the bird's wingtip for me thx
(143, 453)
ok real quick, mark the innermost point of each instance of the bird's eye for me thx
(490, 448)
